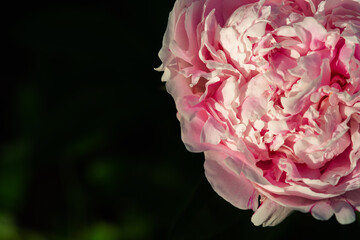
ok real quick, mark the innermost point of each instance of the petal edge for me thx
(270, 214)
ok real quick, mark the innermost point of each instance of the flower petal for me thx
(322, 211)
(233, 187)
(344, 212)
(270, 214)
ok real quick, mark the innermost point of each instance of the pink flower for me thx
(269, 91)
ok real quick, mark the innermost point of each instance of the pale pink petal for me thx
(229, 6)
(277, 127)
(177, 86)
(322, 211)
(228, 92)
(253, 108)
(269, 214)
(344, 213)
(211, 132)
(311, 32)
(233, 187)
(312, 76)
(353, 197)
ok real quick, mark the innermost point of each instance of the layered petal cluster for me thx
(269, 91)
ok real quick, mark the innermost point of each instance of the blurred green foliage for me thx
(90, 145)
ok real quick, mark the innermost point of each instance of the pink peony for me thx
(269, 91)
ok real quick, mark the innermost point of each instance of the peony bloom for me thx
(269, 91)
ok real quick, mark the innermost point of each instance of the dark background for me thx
(90, 144)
